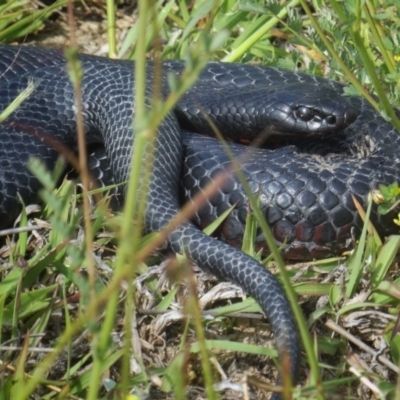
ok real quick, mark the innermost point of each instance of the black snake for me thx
(304, 185)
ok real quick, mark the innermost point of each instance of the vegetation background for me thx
(84, 316)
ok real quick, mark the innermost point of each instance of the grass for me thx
(102, 291)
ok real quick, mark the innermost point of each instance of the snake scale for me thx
(304, 183)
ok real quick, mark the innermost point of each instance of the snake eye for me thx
(304, 114)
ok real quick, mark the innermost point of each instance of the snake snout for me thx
(314, 120)
(338, 118)
(322, 119)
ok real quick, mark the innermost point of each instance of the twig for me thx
(13, 231)
(338, 329)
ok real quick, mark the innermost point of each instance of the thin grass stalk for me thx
(15, 319)
(142, 132)
(75, 75)
(111, 23)
(129, 304)
(194, 309)
(244, 47)
(147, 147)
(184, 10)
(2, 304)
(397, 391)
(4, 114)
(356, 263)
(129, 307)
(378, 33)
(19, 372)
(67, 320)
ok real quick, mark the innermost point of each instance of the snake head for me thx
(307, 109)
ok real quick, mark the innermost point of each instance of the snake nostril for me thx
(331, 120)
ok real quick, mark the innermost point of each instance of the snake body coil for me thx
(305, 187)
